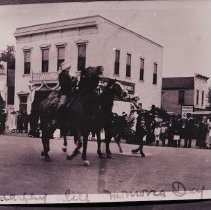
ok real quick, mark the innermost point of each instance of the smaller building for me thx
(181, 92)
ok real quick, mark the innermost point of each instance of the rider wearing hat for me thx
(67, 83)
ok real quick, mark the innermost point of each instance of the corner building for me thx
(88, 41)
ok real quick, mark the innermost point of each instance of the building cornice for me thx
(53, 27)
(72, 24)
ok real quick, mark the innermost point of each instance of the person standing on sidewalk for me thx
(163, 134)
(202, 134)
(157, 132)
(189, 131)
(170, 132)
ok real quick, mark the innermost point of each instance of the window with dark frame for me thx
(117, 61)
(27, 62)
(81, 56)
(141, 77)
(45, 60)
(61, 56)
(155, 74)
(23, 103)
(197, 97)
(128, 65)
(202, 98)
(181, 99)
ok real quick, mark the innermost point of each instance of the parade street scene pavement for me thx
(23, 170)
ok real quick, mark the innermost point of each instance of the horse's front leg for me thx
(117, 140)
(108, 141)
(64, 147)
(84, 157)
(46, 148)
(64, 136)
(99, 152)
(78, 141)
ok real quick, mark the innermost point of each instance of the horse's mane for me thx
(89, 79)
(51, 102)
(106, 97)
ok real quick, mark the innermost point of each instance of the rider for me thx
(67, 83)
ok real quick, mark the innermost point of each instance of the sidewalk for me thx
(14, 133)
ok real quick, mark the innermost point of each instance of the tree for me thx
(8, 56)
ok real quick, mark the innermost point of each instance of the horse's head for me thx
(92, 71)
(90, 77)
(118, 90)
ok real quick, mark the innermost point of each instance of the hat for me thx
(65, 66)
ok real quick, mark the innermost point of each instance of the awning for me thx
(201, 113)
(23, 93)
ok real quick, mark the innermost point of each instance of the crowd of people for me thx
(15, 122)
(173, 131)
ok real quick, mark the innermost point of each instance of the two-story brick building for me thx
(184, 91)
(82, 42)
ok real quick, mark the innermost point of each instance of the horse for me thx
(106, 119)
(77, 116)
(101, 119)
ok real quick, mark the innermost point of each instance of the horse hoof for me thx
(143, 155)
(86, 163)
(121, 151)
(47, 159)
(101, 155)
(69, 157)
(42, 156)
(110, 157)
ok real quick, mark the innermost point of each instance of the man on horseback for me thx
(68, 84)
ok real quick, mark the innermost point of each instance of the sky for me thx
(183, 28)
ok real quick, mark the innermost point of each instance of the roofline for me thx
(200, 75)
(93, 16)
(131, 32)
(59, 21)
(195, 74)
(176, 77)
(176, 88)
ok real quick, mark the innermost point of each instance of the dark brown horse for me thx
(101, 118)
(104, 119)
(107, 120)
(79, 112)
